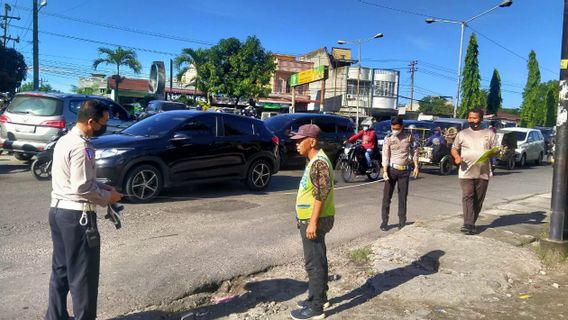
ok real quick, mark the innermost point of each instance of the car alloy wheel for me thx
(259, 175)
(143, 183)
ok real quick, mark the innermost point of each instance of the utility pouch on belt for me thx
(93, 237)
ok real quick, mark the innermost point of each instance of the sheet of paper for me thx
(487, 155)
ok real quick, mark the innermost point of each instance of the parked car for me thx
(530, 145)
(33, 118)
(158, 106)
(178, 147)
(334, 131)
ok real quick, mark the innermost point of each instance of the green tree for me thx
(13, 69)
(435, 105)
(235, 69)
(530, 106)
(551, 90)
(198, 58)
(494, 99)
(92, 90)
(470, 86)
(29, 86)
(118, 57)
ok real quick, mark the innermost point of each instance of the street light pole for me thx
(359, 43)
(35, 45)
(463, 24)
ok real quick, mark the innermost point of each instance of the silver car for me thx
(32, 118)
(530, 145)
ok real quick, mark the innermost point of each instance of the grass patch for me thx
(360, 255)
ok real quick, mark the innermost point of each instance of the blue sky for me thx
(505, 36)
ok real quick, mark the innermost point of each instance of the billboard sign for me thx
(312, 75)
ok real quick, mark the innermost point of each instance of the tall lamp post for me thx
(463, 24)
(36, 9)
(359, 42)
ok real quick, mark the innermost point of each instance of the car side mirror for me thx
(180, 137)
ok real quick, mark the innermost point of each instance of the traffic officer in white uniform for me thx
(72, 217)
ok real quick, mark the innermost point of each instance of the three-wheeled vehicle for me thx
(435, 151)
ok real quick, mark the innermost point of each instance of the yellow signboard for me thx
(563, 64)
(308, 76)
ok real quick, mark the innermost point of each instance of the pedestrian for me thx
(315, 211)
(72, 217)
(399, 152)
(470, 144)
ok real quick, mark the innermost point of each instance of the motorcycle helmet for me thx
(366, 124)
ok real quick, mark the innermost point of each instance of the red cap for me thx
(307, 131)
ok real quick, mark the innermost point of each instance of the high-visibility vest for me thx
(305, 200)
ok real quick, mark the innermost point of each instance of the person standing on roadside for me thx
(468, 147)
(72, 217)
(399, 152)
(315, 211)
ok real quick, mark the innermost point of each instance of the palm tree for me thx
(118, 57)
(184, 61)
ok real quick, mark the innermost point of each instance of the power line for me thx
(102, 42)
(404, 11)
(117, 27)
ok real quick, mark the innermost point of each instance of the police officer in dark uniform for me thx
(72, 217)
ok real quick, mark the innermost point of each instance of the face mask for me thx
(396, 132)
(100, 131)
(365, 128)
(474, 125)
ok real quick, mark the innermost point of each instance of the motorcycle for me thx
(41, 167)
(352, 163)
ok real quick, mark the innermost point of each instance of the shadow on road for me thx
(504, 173)
(265, 291)
(536, 217)
(14, 168)
(425, 265)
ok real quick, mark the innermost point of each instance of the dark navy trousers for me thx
(75, 266)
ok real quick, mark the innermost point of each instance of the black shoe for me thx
(384, 227)
(306, 313)
(465, 228)
(472, 230)
(304, 304)
(401, 224)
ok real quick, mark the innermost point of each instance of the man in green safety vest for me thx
(315, 210)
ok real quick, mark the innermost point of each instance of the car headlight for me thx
(108, 153)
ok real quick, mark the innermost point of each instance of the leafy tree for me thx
(551, 91)
(118, 57)
(530, 113)
(92, 90)
(198, 58)
(29, 86)
(435, 106)
(13, 69)
(470, 86)
(232, 68)
(494, 99)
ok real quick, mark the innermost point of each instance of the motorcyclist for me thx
(436, 138)
(368, 142)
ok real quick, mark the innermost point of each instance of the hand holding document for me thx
(487, 155)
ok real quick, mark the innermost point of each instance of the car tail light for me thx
(60, 124)
(276, 140)
(4, 118)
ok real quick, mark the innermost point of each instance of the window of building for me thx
(384, 88)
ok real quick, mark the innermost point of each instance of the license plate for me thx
(25, 129)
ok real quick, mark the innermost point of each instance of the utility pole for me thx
(412, 70)
(171, 78)
(35, 45)
(5, 18)
(557, 241)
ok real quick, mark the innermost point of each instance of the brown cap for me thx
(307, 131)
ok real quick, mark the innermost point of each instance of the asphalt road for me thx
(196, 235)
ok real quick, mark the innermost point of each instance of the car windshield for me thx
(521, 136)
(276, 123)
(36, 105)
(158, 125)
(382, 127)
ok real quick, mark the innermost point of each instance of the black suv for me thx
(334, 131)
(159, 106)
(177, 147)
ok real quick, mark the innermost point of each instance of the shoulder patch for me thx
(90, 153)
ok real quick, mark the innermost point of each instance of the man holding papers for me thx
(472, 149)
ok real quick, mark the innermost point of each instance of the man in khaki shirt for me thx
(72, 217)
(399, 153)
(468, 146)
